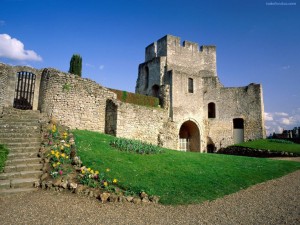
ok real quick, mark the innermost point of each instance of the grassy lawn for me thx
(3, 155)
(178, 177)
(272, 145)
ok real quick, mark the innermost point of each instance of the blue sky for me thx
(256, 41)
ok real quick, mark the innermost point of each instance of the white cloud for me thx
(279, 121)
(268, 116)
(285, 121)
(12, 48)
(101, 67)
(281, 114)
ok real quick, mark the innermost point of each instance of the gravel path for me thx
(273, 202)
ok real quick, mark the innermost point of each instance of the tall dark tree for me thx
(76, 65)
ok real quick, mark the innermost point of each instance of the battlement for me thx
(170, 45)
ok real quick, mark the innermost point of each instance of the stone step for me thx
(11, 191)
(15, 134)
(21, 127)
(20, 140)
(22, 174)
(23, 182)
(23, 167)
(21, 155)
(24, 121)
(15, 162)
(26, 149)
(4, 184)
(20, 131)
(16, 145)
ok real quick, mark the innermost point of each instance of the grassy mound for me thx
(273, 145)
(178, 177)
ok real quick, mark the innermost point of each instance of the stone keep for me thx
(208, 116)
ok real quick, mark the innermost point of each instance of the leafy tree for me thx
(76, 65)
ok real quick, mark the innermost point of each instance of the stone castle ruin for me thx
(197, 112)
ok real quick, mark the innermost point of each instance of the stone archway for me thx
(189, 137)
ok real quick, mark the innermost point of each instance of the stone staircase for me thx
(20, 131)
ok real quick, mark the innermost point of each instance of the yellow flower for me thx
(52, 152)
(89, 169)
(92, 171)
(63, 155)
(62, 148)
(67, 157)
(96, 172)
(105, 184)
(54, 165)
(115, 181)
(107, 170)
(53, 128)
(67, 145)
(57, 155)
(83, 171)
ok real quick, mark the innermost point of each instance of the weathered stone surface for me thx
(136, 200)
(113, 197)
(79, 189)
(129, 198)
(104, 197)
(44, 176)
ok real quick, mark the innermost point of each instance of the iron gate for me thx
(24, 90)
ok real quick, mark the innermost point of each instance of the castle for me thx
(197, 112)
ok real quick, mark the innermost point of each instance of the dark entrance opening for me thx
(211, 110)
(155, 91)
(210, 148)
(24, 90)
(189, 137)
(238, 130)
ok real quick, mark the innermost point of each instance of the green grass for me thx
(178, 177)
(3, 156)
(273, 145)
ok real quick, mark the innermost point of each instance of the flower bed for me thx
(64, 171)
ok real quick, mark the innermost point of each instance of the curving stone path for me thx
(273, 202)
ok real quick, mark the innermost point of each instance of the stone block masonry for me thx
(75, 102)
(134, 121)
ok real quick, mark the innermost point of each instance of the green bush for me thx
(3, 156)
(281, 141)
(135, 146)
(136, 99)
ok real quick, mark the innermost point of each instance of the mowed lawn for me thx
(178, 177)
(273, 145)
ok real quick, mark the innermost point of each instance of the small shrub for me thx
(135, 146)
(3, 156)
(136, 99)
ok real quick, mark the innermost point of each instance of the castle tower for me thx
(207, 115)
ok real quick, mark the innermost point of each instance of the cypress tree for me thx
(76, 65)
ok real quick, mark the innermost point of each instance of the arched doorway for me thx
(189, 137)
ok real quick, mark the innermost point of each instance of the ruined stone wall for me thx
(242, 102)
(137, 122)
(8, 79)
(74, 101)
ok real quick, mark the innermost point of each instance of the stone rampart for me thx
(134, 121)
(75, 102)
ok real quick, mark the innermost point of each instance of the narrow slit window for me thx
(211, 110)
(191, 85)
